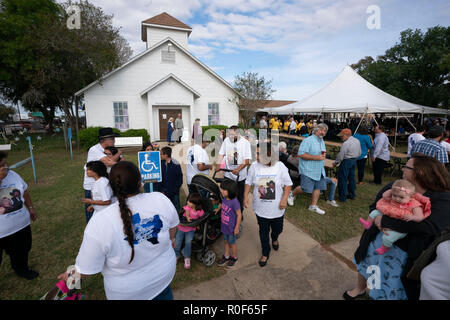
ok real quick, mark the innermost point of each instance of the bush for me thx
(89, 136)
(136, 133)
(217, 126)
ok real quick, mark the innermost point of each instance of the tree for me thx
(417, 69)
(43, 63)
(255, 91)
(6, 112)
(20, 64)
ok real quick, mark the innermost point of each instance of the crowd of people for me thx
(135, 239)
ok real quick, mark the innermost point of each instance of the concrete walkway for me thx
(300, 269)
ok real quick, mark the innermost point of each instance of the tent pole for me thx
(396, 126)
(356, 130)
(422, 118)
(409, 121)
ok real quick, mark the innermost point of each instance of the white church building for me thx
(159, 83)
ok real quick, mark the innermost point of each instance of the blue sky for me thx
(300, 45)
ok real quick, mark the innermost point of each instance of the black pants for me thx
(265, 226)
(378, 168)
(17, 247)
(361, 164)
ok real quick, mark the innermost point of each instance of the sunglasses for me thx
(406, 167)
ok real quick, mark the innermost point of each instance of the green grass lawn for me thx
(340, 223)
(58, 231)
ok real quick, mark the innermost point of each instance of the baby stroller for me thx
(208, 230)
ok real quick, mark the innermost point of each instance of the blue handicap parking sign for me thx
(150, 166)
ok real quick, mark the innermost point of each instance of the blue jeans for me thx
(332, 188)
(166, 294)
(87, 194)
(346, 179)
(175, 199)
(187, 238)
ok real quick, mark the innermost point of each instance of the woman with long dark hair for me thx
(431, 179)
(131, 241)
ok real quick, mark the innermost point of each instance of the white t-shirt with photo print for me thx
(235, 154)
(105, 248)
(268, 183)
(14, 215)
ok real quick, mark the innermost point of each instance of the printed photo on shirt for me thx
(10, 200)
(266, 188)
(232, 157)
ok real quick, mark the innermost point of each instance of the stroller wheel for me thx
(199, 256)
(209, 258)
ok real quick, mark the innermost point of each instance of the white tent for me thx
(349, 92)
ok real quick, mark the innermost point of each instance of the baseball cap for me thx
(435, 131)
(345, 131)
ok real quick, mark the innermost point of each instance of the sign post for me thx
(32, 158)
(150, 167)
(69, 136)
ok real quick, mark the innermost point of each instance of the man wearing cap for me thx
(106, 138)
(431, 146)
(346, 160)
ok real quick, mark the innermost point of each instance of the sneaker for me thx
(231, 262)
(316, 209)
(332, 203)
(290, 199)
(187, 263)
(223, 261)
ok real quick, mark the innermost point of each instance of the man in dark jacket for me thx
(172, 177)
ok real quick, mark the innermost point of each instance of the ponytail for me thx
(125, 181)
(126, 214)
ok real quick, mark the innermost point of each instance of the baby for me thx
(400, 202)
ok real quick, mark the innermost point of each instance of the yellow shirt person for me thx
(276, 125)
(286, 125)
(272, 120)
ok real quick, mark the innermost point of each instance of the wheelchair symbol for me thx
(148, 165)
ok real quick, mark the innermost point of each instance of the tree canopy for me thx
(417, 69)
(43, 62)
(255, 92)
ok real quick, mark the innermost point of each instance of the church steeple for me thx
(162, 26)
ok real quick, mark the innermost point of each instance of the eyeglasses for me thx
(406, 167)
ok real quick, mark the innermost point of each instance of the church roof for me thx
(164, 20)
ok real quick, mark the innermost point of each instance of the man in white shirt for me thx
(106, 138)
(237, 154)
(197, 161)
(415, 137)
(263, 123)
